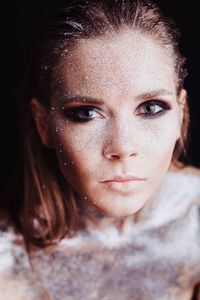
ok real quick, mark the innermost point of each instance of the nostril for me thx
(122, 156)
(133, 154)
(118, 151)
(114, 156)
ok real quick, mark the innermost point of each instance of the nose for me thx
(121, 142)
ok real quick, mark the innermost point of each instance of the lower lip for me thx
(123, 186)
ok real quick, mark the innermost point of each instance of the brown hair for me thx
(42, 206)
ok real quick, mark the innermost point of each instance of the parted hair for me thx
(37, 199)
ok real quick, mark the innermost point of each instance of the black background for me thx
(21, 24)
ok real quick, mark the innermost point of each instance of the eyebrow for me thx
(90, 100)
(154, 93)
(82, 99)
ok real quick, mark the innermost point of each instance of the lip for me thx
(123, 184)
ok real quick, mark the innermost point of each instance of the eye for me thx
(152, 108)
(83, 113)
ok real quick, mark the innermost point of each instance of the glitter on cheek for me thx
(74, 140)
(104, 73)
(160, 131)
(147, 136)
(156, 139)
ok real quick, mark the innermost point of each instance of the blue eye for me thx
(83, 113)
(152, 108)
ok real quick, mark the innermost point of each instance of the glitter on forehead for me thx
(118, 49)
(112, 78)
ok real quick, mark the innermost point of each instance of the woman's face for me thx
(115, 120)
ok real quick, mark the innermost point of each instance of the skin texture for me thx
(158, 258)
(154, 258)
(122, 71)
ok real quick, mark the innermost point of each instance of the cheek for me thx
(159, 140)
(78, 149)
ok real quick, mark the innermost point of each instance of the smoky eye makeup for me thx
(83, 113)
(149, 109)
(152, 108)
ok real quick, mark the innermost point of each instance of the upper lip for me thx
(120, 178)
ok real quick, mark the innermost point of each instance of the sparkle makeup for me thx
(117, 121)
(85, 113)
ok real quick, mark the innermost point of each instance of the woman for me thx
(104, 206)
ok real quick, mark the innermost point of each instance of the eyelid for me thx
(80, 108)
(72, 111)
(163, 104)
(156, 101)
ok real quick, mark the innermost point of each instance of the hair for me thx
(40, 204)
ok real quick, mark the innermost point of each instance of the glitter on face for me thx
(108, 80)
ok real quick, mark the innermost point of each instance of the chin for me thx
(118, 211)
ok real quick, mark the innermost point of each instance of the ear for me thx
(182, 97)
(182, 100)
(40, 116)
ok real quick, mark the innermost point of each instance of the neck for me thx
(91, 217)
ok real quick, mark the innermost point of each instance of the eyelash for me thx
(72, 114)
(162, 104)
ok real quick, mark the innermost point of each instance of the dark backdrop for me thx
(21, 23)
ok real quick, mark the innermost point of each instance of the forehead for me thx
(125, 62)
